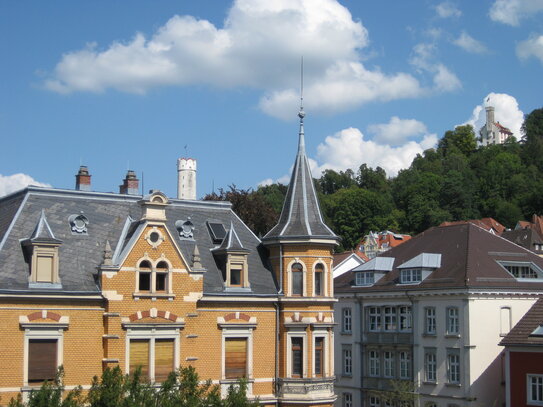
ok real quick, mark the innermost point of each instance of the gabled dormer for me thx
(232, 259)
(414, 271)
(41, 254)
(154, 206)
(372, 271)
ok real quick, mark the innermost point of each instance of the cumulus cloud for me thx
(506, 111)
(397, 131)
(447, 9)
(12, 183)
(512, 11)
(470, 44)
(532, 47)
(259, 46)
(348, 148)
(424, 59)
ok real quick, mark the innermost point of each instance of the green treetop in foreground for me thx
(114, 389)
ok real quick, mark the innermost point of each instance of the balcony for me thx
(306, 389)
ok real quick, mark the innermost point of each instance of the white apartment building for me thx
(432, 311)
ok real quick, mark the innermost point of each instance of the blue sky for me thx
(128, 84)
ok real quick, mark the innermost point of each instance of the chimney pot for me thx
(130, 185)
(83, 179)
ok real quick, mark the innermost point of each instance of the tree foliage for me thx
(182, 388)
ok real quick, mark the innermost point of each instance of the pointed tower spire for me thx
(108, 255)
(301, 217)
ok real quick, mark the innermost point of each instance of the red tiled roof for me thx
(521, 332)
(503, 128)
(485, 223)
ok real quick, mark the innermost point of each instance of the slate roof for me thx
(521, 334)
(301, 216)
(109, 214)
(469, 258)
(485, 223)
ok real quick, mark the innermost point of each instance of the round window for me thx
(154, 236)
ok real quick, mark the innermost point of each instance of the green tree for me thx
(461, 139)
(399, 393)
(332, 181)
(250, 206)
(373, 180)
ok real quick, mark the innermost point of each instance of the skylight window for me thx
(523, 271)
(538, 331)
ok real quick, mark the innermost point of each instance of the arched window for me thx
(144, 276)
(161, 277)
(319, 279)
(297, 273)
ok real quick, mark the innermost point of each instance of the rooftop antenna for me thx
(186, 154)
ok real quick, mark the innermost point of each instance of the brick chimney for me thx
(83, 179)
(131, 184)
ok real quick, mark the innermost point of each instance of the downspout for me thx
(280, 268)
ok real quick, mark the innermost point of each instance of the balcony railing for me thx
(321, 389)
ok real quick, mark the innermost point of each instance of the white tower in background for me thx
(186, 178)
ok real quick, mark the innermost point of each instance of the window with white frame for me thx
(534, 389)
(154, 356)
(374, 319)
(374, 365)
(388, 364)
(347, 400)
(430, 320)
(153, 280)
(405, 365)
(346, 322)
(374, 401)
(347, 361)
(297, 356)
(319, 359)
(453, 366)
(505, 320)
(319, 279)
(364, 278)
(44, 349)
(430, 365)
(410, 276)
(405, 318)
(390, 318)
(297, 276)
(522, 271)
(453, 324)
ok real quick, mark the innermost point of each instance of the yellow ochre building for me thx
(92, 280)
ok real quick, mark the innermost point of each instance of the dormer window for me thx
(236, 275)
(523, 271)
(364, 278)
(233, 258)
(411, 276)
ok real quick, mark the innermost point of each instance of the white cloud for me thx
(512, 11)
(424, 60)
(258, 46)
(470, 44)
(447, 9)
(349, 149)
(12, 183)
(532, 47)
(397, 130)
(506, 111)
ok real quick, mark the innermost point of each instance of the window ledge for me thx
(153, 295)
(428, 335)
(429, 383)
(452, 336)
(453, 385)
(346, 333)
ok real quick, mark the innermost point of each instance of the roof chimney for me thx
(83, 179)
(131, 184)
(186, 178)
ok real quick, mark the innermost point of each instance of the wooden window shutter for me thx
(235, 358)
(164, 352)
(139, 356)
(42, 360)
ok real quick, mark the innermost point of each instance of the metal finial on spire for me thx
(301, 113)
